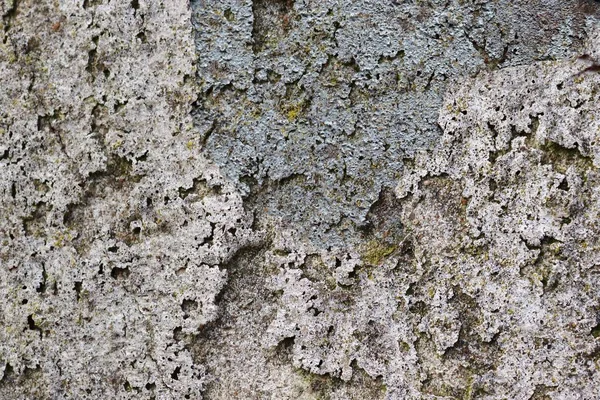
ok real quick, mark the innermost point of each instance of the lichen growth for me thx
(375, 252)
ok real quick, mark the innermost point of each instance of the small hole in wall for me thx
(175, 374)
(137, 230)
(564, 185)
(32, 325)
(353, 274)
(286, 344)
(78, 286)
(150, 386)
(315, 311)
(188, 306)
(120, 273)
(177, 334)
(228, 14)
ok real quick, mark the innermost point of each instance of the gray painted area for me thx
(314, 106)
(278, 199)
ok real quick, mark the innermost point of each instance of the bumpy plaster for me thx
(114, 227)
(492, 292)
(299, 199)
(313, 106)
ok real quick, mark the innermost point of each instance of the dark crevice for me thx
(91, 3)
(199, 186)
(178, 335)
(285, 347)
(10, 15)
(142, 37)
(32, 325)
(42, 286)
(8, 375)
(77, 288)
(564, 185)
(92, 57)
(175, 374)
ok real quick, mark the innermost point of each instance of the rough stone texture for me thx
(298, 199)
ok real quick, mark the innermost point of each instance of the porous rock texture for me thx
(300, 199)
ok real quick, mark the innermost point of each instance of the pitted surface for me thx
(299, 199)
(313, 106)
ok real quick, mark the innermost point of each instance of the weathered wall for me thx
(299, 199)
